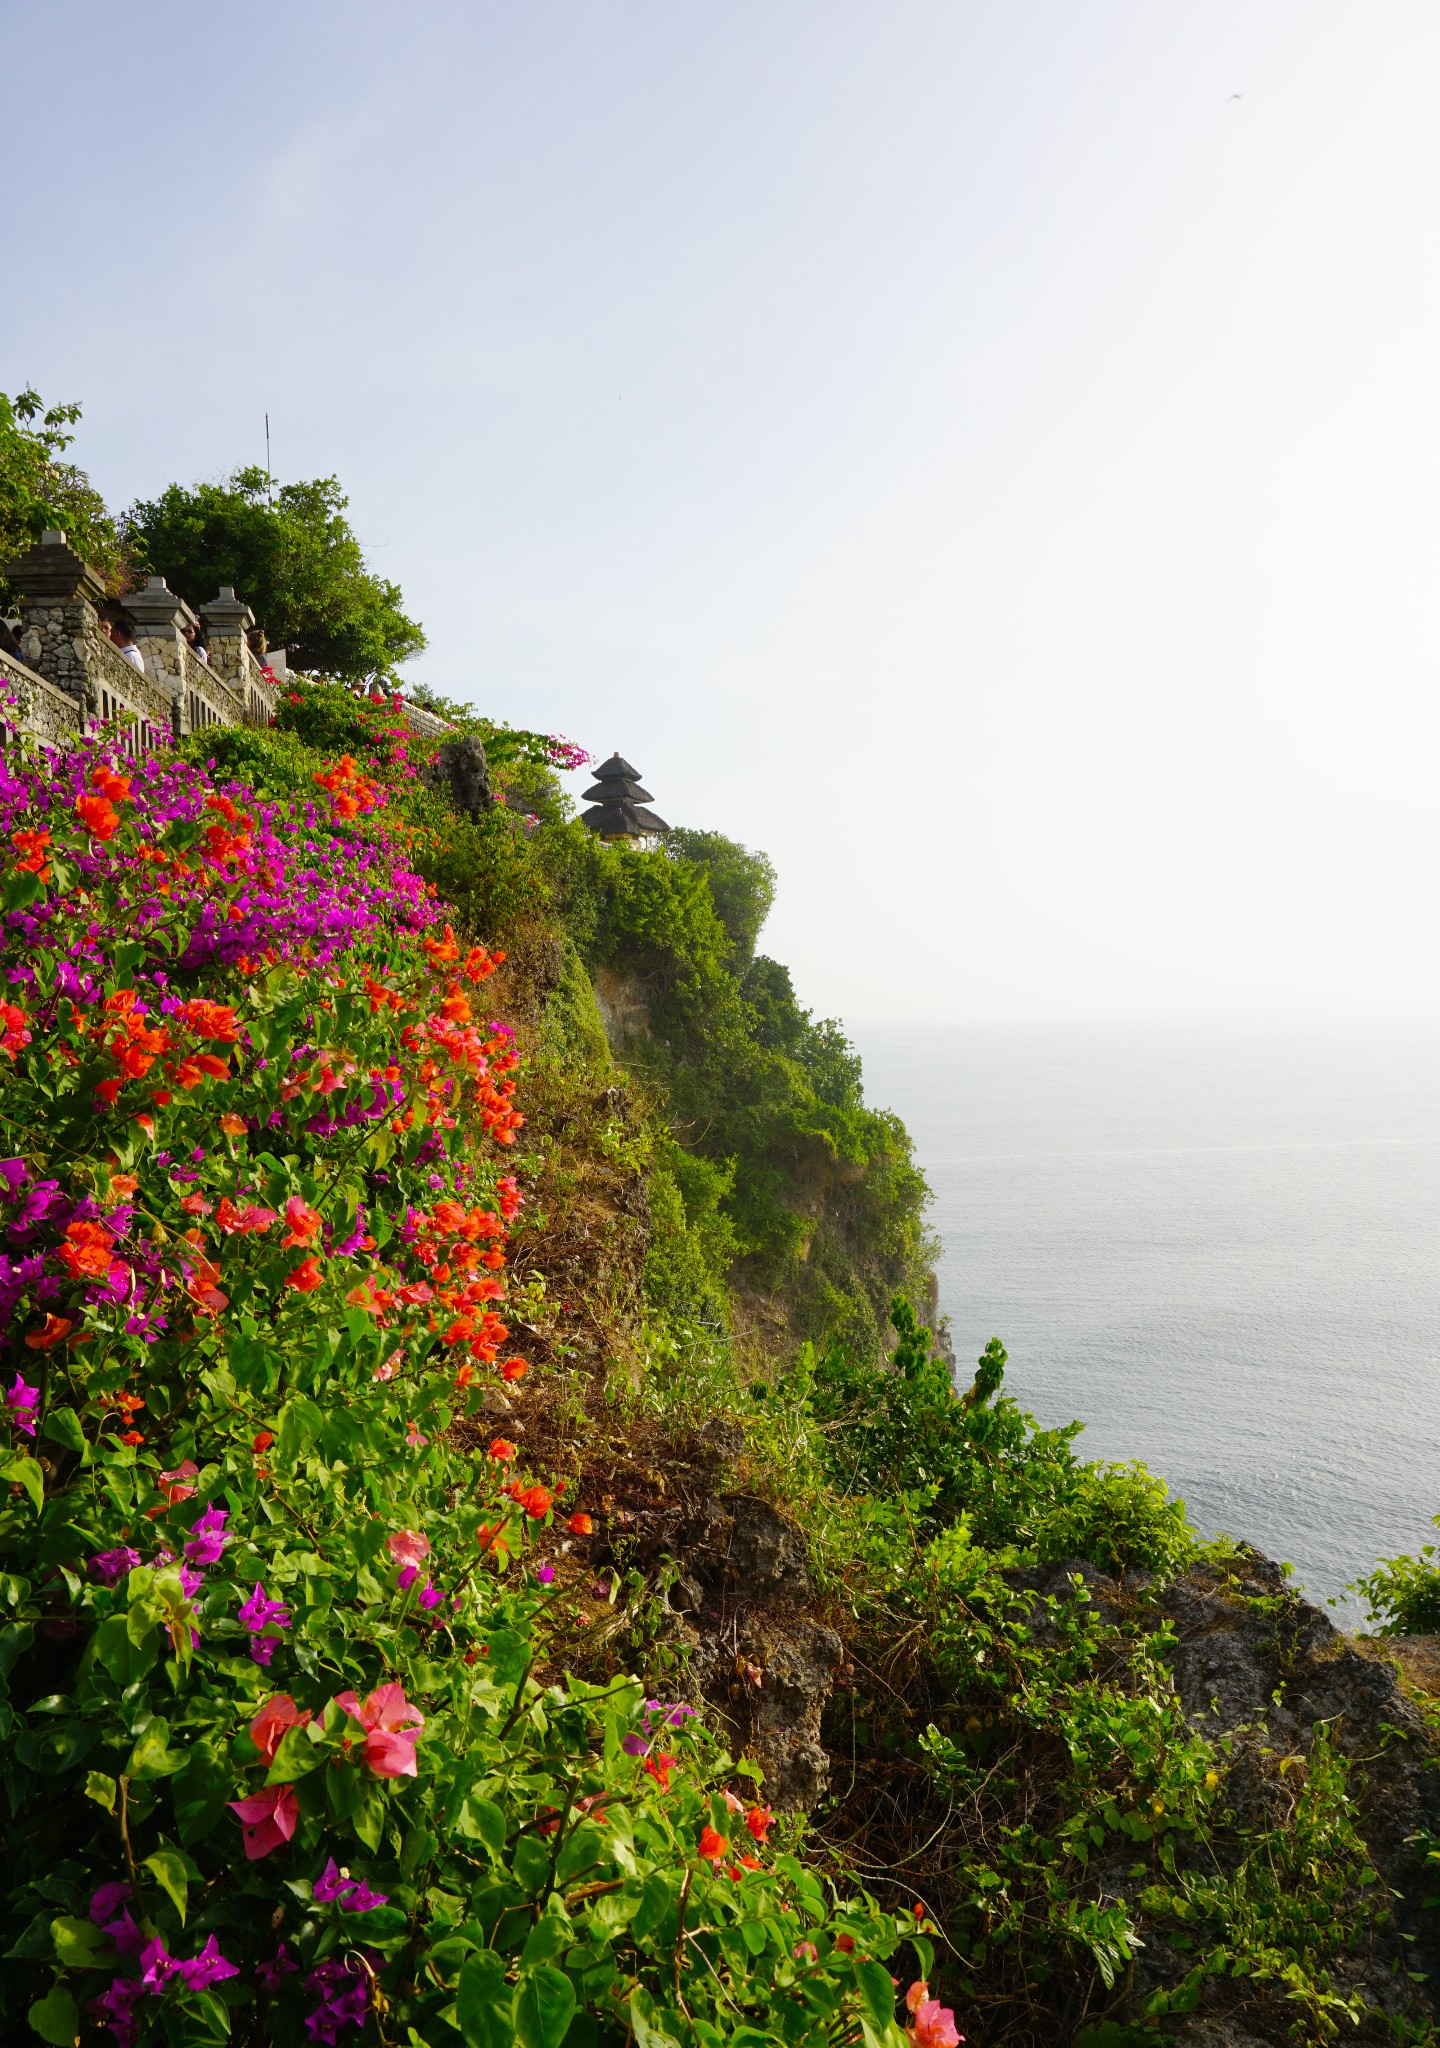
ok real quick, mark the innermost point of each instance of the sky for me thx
(985, 455)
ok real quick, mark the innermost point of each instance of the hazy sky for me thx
(963, 449)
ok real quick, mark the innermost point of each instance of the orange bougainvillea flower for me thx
(263, 1441)
(98, 815)
(211, 1020)
(13, 1033)
(760, 1820)
(537, 1501)
(303, 1222)
(124, 1184)
(233, 1126)
(580, 1525)
(86, 1250)
(306, 1277)
(30, 846)
(513, 1369)
(238, 1222)
(116, 787)
(659, 1768)
(56, 1330)
(502, 1448)
(132, 1437)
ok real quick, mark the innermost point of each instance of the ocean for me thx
(1216, 1248)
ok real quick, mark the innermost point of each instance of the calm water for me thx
(1220, 1251)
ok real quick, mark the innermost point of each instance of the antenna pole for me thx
(269, 500)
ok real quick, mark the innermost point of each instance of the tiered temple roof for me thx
(617, 803)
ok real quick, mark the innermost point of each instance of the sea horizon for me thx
(1210, 1243)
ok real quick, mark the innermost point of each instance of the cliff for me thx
(491, 1551)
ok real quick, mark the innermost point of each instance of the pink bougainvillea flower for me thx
(278, 1715)
(392, 1729)
(407, 1546)
(267, 1818)
(934, 2026)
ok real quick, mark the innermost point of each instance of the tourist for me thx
(195, 639)
(122, 633)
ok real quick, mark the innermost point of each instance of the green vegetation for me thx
(39, 489)
(291, 554)
(1403, 1593)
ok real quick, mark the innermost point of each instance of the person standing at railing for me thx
(119, 630)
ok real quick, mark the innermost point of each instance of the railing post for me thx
(228, 620)
(159, 614)
(60, 635)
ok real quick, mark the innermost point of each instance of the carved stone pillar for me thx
(60, 633)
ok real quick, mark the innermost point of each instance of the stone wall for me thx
(72, 676)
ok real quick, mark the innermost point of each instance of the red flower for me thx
(846, 1944)
(211, 1020)
(513, 1369)
(86, 1250)
(580, 1525)
(659, 1768)
(56, 1330)
(263, 1441)
(278, 1715)
(31, 848)
(99, 817)
(502, 1449)
(306, 1277)
(712, 1846)
(760, 1820)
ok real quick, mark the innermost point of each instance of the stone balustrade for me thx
(72, 676)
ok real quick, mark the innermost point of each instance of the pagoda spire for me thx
(617, 805)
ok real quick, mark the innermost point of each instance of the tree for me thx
(742, 882)
(296, 563)
(39, 490)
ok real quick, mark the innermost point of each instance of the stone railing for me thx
(72, 675)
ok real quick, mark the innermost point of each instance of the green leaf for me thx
(78, 1944)
(642, 2020)
(531, 1864)
(484, 2002)
(23, 1471)
(152, 1756)
(116, 1650)
(369, 1819)
(62, 1426)
(296, 1755)
(101, 1789)
(481, 1820)
(200, 1791)
(544, 2008)
(876, 1992)
(21, 890)
(54, 2017)
(169, 1873)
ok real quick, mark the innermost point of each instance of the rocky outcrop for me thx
(739, 1594)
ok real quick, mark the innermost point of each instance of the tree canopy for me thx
(38, 489)
(292, 556)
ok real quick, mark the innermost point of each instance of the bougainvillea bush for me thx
(286, 1755)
